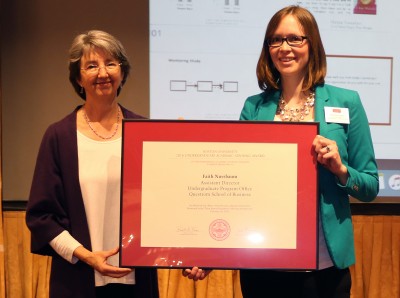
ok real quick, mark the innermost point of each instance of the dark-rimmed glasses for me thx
(291, 40)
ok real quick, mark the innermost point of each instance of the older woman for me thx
(291, 72)
(73, 208)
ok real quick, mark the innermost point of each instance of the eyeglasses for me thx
(93, 69)
(291, 40)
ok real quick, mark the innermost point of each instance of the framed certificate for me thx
(218, 194)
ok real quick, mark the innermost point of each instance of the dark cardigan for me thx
(56, 204)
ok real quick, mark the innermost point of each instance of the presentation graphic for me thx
(203, 57)
(203, 86)
(365, 7)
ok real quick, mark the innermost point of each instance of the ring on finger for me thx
(328, 149)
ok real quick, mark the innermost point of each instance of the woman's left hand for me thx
(328, 156)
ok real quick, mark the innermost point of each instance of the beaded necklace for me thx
(95, 132)
(295, 114)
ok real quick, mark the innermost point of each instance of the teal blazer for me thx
(356, 151)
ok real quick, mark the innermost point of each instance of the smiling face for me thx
(290, 61)
(101, 84)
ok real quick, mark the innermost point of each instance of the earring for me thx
(81, 91)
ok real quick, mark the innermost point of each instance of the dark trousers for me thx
(116, 290)
(326, 283)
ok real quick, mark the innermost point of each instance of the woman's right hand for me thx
(98, 261)
(195, 273)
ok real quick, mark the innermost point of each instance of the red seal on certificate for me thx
(219, 229)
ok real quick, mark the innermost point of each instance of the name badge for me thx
(337, 115)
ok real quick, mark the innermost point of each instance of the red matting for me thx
(135, 132)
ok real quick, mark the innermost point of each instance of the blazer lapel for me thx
(267, 109)
(321, 101)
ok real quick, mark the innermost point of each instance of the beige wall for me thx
(35, 39)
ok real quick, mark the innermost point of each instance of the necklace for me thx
(95, 132)
(295, 114)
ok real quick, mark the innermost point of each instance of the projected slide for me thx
(203, 56)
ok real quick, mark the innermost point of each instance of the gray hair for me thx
(95, 39)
